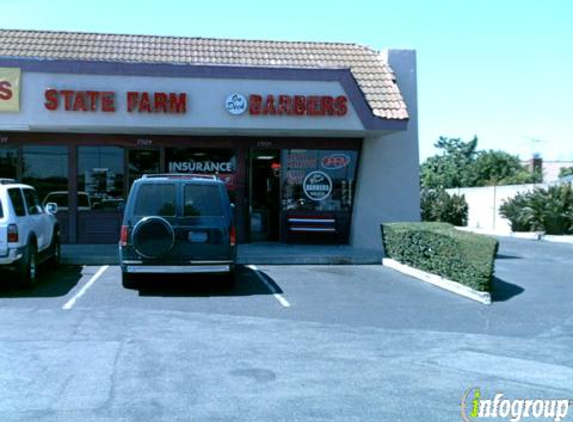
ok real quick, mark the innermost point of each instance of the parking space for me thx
(353, 343)
(530, 277)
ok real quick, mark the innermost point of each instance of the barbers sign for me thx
(317, 185)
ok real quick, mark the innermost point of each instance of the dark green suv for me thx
(177, 223)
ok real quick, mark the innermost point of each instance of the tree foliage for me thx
(460, 164)
(438, 205)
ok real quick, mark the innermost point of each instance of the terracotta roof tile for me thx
(373, 75)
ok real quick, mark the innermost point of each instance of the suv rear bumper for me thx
(186, 267)
(178, 269)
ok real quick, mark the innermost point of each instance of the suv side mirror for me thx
(51, 208)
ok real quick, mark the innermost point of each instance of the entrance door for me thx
(264, 195)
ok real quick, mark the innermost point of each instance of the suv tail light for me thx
(123, 236)
(12, 233)
(233, 235)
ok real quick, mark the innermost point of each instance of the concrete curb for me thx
(558, 239)
(443, 283)
(520, 235)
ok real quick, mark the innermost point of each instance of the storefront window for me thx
(318, 180)
(100, 178)
(46, 169)
(219, 162)
(8, 163)
(142, 162)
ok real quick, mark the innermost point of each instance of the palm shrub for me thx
(438, 206)
(512, 209)
(549, 210)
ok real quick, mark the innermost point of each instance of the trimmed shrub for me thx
(440, 249)
(438, 205)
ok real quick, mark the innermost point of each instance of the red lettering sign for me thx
(84, 101)
(104, 101)
(298, 105)
(5, 90)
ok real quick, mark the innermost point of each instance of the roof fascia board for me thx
(343, 76)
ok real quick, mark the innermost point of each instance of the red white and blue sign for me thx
(335, 161)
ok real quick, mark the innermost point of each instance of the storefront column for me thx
(241, 195)
(72, 192)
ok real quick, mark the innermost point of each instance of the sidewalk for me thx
(256, 254)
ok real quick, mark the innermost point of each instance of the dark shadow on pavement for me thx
(502, 256)
(248, 282)
(503, 291)
(50, 283)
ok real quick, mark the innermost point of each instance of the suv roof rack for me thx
(180, 176)
(5, 181)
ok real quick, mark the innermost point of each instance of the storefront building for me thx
(316, 142)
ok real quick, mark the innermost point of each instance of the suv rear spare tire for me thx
(153, 237)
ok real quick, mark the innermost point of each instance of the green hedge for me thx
(439, 248)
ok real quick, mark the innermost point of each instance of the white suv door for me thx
(38, 217)
(3, 228)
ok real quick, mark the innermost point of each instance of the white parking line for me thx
(276, 294)
(70, 303)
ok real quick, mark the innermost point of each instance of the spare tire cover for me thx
(153, 237)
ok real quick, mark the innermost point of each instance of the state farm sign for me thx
(106, 101)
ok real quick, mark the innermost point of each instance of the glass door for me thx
(140, 162)
(264, 195)
(100, 195)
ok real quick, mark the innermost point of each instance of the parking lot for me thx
(320, 343)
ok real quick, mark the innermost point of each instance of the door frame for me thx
(250, 155)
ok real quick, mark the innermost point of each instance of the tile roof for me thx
(373, 75)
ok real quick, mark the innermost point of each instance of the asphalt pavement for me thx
(287, 343)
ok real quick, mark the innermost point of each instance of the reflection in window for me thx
(318, 180)
(100, 177)
(46, 169)
(156, 199)
(142, 162)
(32, 202)
(8, 163)
(202, 200)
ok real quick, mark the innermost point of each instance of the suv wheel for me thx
(128, 280)
(56, 252)
(27, 270)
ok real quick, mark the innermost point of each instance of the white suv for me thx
(29, 234)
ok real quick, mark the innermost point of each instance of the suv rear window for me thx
(202, 200)
(17, 201)
(156, 199)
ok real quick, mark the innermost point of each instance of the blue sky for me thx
(501, 70)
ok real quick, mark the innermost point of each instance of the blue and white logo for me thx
(236, 104)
